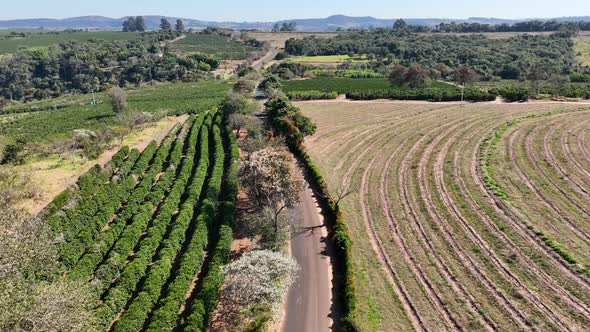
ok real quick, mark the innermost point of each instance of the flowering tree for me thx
(268, 179)
(260, 277)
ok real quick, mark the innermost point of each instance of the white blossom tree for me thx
(260, 277)
(268, 179)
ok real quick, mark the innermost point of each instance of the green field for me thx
(75, 112)
(219, 46)
(582, 49)
(344, 85)
(329, 59)
(45, 39)
(338, 84)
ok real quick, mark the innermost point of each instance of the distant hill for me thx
(314, 24)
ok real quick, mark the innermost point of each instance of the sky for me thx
(267, 10)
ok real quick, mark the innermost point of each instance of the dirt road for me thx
(309, 300)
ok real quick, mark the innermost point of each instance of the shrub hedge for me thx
(127, 282)
(204, 302)
(160, 271)
(84, 268)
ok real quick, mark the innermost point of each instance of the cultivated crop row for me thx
(138, 230)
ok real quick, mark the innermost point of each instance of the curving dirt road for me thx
(308, 306)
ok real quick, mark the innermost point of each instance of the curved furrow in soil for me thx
(466, 261)
(507, 213)
(581, 140)
(533, 298)
(384, 125)
(530, 267)
(537, 164)
(418, 230)
(560, 168)
(416, 268)
(569, 155)
(556, 212)
(393, 277)
(476, 270)
(400, 127)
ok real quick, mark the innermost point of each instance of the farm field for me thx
(344, 85)
(37, 121)
(582, 49)
(139, 229)
(278, 39)
(328, 59)
(467, 217)
(43, 40)
(219, 46)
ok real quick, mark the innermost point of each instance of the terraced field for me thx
(150, 231)
(464, 218)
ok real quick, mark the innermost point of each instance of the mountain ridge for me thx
(329, 23)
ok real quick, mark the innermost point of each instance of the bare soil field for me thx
(464, 218)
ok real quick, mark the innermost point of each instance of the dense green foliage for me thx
(507, 58)
(370, 88)
(288, 121)
(311, 95)
(139, 228)
(204, 302)
(527, 26)
(84, 67)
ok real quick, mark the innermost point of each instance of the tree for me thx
(276, 28)
(259, 278)
(33, 297)
(130, 24)
(140, 24)
(268, 179)
(118, 100)
(237, 121)
(417, 76)
(165, 25)
(13, 152)
(536, 73)
(179, 27)
(463, 76)
(399, 24)
(397, 75)
(244, 87)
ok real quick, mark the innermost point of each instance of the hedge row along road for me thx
(463, 218)
(139, 230)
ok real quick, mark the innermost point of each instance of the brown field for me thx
(464, 218)
(278, 39)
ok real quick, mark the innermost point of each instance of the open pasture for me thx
(463, 218)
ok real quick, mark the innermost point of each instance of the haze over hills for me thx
(314, 24)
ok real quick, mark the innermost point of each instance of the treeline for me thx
(75, 67)
(507, 58)
(528, 26)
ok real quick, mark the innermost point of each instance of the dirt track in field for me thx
(448, 253)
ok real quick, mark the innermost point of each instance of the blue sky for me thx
(266, 10)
